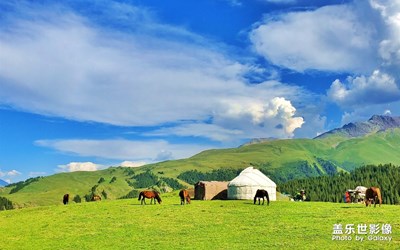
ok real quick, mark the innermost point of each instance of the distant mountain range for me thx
(375, 124)
(3, 183)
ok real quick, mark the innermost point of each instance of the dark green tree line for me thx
(332, 188)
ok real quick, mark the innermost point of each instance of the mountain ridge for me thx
(375, 124)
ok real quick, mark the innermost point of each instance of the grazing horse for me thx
(153, 195)
(184, 194)
(96, 197)
(66, 199)
(373, 194)
(260, 194)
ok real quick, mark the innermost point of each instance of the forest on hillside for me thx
(332, 188)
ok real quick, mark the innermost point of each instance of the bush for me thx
(77, 199)
(113, 179)
(132, 194)
(94, 188)
(104, 194)
(145, 180)
(5, 204)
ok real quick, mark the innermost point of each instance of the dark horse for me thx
(184, 194)
(66, 199)
(373, 194)
(260, 194)
(153, 195)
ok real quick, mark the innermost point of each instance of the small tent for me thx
(245, 185)
(210, 190)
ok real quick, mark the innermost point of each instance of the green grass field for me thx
(125, 224)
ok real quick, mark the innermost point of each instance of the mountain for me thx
(358, 129)
(3, 183)
(340, 150)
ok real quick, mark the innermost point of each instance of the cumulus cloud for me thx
(131, 164)
(382, 85)
(361, 38)
(79, 166)
(330, 38)
(234, 119)
(375, 89)
(276, 114)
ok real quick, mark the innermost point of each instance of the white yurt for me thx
(245, 185)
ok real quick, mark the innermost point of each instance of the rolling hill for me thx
(282, 160)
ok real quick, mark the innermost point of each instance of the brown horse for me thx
(96, 197)
(260, 194)
(184, 194)
(66, 199)
(373, 194)
(153, 195)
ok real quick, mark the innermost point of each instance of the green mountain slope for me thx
(295, 158)
(50, 189)
(282, 160)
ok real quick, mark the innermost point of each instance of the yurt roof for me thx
(251, 177)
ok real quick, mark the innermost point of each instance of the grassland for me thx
(124, 224)
(280, 158)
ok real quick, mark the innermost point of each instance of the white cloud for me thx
(63, 65)
(140, 151)
(131, 164)
(330, 38)
(79, 166)
(9, 173)
(239, 118)
(375, 89)
(361, 38)
(211, 131)
(275, 115)
(67, 68)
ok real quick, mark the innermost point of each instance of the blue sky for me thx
(85, 85)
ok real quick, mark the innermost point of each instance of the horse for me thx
(96, 197)
(66, 199)
(153, 195)
(373, 194)
(260, 194)
(184, 194)
(360, 193)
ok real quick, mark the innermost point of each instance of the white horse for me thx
(360, 191)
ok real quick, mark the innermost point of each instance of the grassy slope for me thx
(124, 224)
(49, 190)
(374, 149)
(346, 153)
(279, 156)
